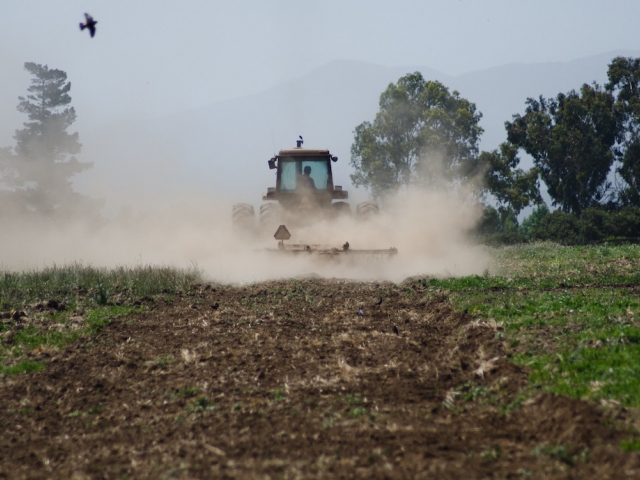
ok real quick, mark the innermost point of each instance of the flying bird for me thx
(90, 24)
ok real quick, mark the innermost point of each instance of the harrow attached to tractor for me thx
(283, 234)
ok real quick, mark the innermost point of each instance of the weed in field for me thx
(330, 420)
(187, 392)
(357, 412)
(98, 318)
(22, 367)
(469, 391)
(202, 404)
(561, 453)
(631, 445)
(164, 362)
(353, 398)
(491, 454)
(277, 395)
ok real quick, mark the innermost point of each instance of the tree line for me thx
(585, 147)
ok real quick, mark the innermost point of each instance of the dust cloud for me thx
(429, 229)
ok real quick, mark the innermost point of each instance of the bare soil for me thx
(286, 379)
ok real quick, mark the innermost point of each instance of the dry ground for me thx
(286, 380)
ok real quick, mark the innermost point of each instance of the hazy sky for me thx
(151, 58)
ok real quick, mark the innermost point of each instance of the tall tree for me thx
(43, 163)
(624, 83)
(570, 139)
(421, 135)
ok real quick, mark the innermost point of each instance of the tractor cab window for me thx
(288, 176)
(292, 169)
(319, 172)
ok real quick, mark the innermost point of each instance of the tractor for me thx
(304, 192)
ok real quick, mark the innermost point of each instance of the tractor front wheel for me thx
(341, 209)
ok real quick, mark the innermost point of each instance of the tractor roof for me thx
(301, 152)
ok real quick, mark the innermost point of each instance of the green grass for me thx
(28, 340)
(22, 367)
(630, 445)
(96, 286)
(570, 314)
(92, 298)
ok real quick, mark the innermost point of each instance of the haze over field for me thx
(179, 107)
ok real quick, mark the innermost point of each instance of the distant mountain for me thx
(223, 148)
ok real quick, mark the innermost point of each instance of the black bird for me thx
(361, 311)
(379, 302)
(395, 330)
(90, 24)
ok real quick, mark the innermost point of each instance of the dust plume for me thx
(429, 229)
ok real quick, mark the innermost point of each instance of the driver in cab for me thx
(305, 182)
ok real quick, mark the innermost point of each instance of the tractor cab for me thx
(304, 173)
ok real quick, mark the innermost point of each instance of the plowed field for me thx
(290, 380)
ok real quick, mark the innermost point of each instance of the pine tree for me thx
(44, 161)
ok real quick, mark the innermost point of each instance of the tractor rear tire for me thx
(269, 216)
(366, 210)
(243, 217)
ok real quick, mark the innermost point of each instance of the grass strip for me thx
(570, 314)
(87, 299)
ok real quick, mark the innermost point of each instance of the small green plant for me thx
(559, 452)
(101, 295)
(329, 421)
(631, 445)
(492, 454)
(202, 404)
(357, 412)
(164, 361)
(187, 392)
(277, 395)
(353, 398)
